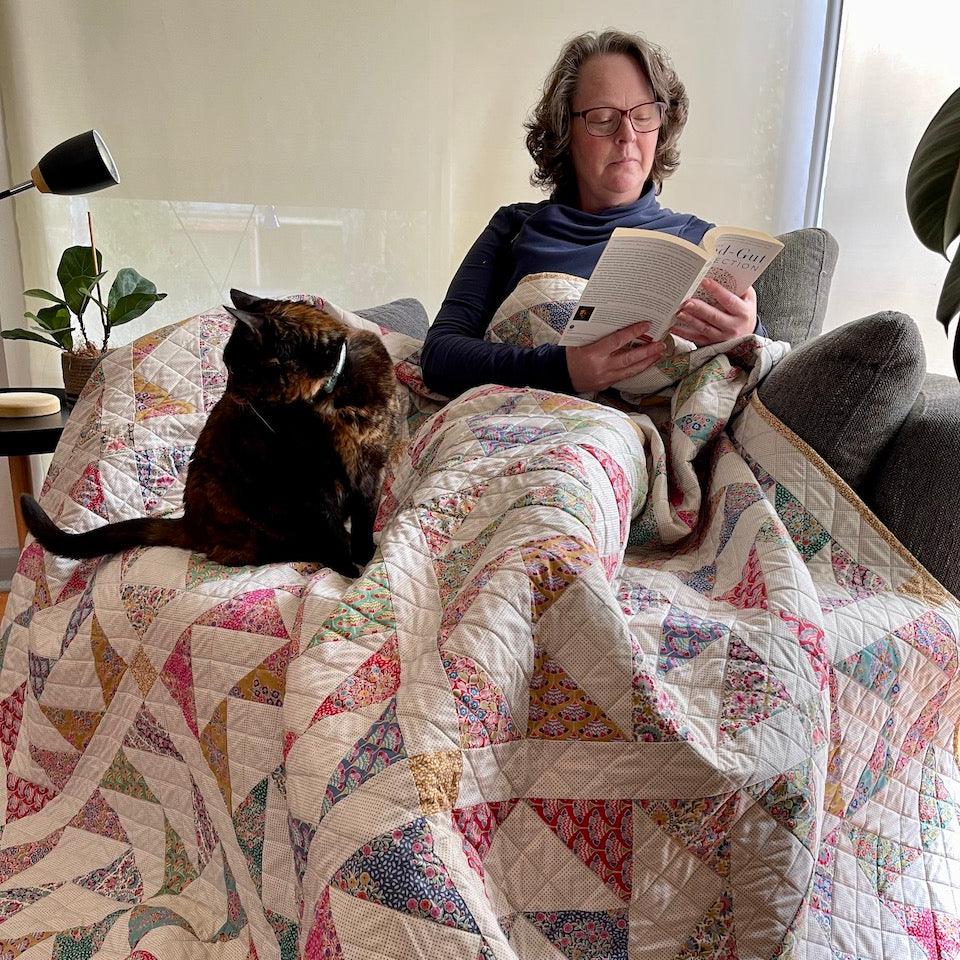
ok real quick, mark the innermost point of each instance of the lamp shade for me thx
(81, 164)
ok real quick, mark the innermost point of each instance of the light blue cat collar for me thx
(332, 379)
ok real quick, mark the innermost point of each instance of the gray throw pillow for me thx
(848, 391)
(913, 488)
(792, 292)
(401, 316)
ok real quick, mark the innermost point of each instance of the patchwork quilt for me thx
(646, 682)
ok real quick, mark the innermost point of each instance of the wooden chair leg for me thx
(21, 481)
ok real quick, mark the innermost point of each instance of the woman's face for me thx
(611, 171)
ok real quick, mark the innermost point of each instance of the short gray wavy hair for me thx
(548, 128)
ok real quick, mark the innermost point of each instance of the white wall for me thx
(897, 66)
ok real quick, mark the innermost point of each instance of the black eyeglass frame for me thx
(623, 113)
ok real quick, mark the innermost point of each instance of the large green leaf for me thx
(56, 320)
(43, 295)
(949, 304)
(78, 269)
(933, 180)
(20, 334)
(131, 295)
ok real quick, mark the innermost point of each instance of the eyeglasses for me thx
(604, 121)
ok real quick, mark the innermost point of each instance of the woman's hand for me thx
(612, 358)
(704, 324)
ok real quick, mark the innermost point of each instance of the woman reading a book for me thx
(603, 138)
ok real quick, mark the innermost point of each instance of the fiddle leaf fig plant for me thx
(933, 202)
(130, 296)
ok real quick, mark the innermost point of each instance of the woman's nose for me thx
(625, 131)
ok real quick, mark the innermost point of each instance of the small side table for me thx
(21, 438)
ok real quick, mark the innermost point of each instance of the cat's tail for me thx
(111, 538)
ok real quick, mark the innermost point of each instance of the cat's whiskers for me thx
(262, 419)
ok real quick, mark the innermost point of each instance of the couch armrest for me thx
(792, 294)
(913, 487)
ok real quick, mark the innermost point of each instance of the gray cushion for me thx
(792, 293)
(402, 316)
(848, 391)
(913, 489)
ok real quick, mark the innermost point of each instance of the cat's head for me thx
(283, 350)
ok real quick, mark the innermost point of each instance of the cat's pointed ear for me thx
(251, 321)
(246, 301)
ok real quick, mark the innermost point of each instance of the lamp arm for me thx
(19, 188)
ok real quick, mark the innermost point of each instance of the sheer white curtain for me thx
(897, 65)
(357, 150)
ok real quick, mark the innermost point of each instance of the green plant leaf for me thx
(78, 290)
(56, 320)
(20, 334)
(949, 304)
(932, 177)
(43, 295)
(132, 306)
(131, 295)
(78, 269)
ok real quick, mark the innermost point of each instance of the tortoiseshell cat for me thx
(295, 447)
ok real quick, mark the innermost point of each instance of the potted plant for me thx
(933, 202)
(79, 273)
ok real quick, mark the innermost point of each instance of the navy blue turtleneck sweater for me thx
(521, 239)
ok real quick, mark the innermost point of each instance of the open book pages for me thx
(647, 274)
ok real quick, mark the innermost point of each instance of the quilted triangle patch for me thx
(25, 798)
(400, 870)
(656, 718)
(123, 777)
(477, 825)
(751, 591)
(213, 744)
(882, 860)
(365, 609)
(714, 935)
(153, 401)
(584, 933)
(267, 682)
(322, 941)
(110, 666)
(142, 603)
(807, 533)
(375, 680)
(178, 871)
(97, 816)
(788, 798)
(58, 765)
(13, 901)
(751, 692)
(249, 824)
(88, 492)
(482, 710)
(119, 880)
(254, 612)
(145, 733)
(553, 564)
(560, 710)
(599, 832)
(684, 637)
(377, 749)
(207, 838)
(701, 825)
(177, 677)
(77, 727)
(14, 860)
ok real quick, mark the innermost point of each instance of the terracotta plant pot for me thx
(77, 370)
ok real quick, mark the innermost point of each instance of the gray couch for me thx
(859, 395)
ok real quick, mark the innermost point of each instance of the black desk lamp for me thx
(81, 164)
